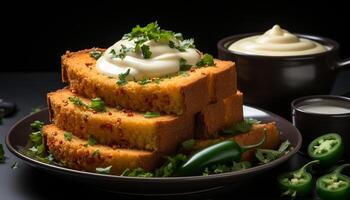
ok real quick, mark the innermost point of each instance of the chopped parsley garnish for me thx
(151, 114)
(145, 51)
(105, 170)
(2, 154)
(122, 52)
(242, 127)
(37, 125)
(207, 60)
(96, 104)
(183, 65)
(96, 153)
(268, 155)
(95, 54)
(221, 168)
(152, 31)
(122, 78)
(68, 136)
(144, 81)
(35, 110)
(170, 166)
(138, 172)
(90, 142)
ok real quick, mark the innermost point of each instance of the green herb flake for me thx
(35, 110)
(151, 114)
(96, 153)
(122, 78)
(188, 144)
(144, 81)
(95, 54)
(105, 170)
(98, 105)
(91, 141)
(268, 155)
(68, 136)
(146, 51)
(37, 125)
(207, 60)
(138, 172)
(2, 154)
(170, 166)
(242, 127)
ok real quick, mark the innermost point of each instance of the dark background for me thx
(36, 34)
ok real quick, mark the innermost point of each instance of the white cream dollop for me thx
(277, 42)
(163, 61)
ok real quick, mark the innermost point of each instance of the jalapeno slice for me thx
(220, 153)
(328, 149)
(334, 185)
(298, 182)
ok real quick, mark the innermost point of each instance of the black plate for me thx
(18, 136)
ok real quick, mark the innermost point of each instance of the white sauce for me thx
(325, 109)
(277, 42)
(164, 60)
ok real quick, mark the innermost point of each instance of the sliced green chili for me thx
(328, 149)
(334, 185)
(298, 182)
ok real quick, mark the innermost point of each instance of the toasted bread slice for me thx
(218, 116)
(254, 136)
(187, 93)
(76, 154)
(122, 128)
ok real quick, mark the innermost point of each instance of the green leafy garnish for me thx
(151, 114)
(144, 81)
(122, 78)
(268, 155)
(138, 172)
(221, 168)
(2, 154)
(96, 104)
(145, 51)
(105, 170)
(122, 52)
(96, 153)
(242, 127)
(37, 125)
(95, 54)
(207, 60)
(170, 166)
(188, 144)
(183, 65)
(68, 136)
(90, 141)
(35, 110)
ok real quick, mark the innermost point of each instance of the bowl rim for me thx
(171, 180)
(223, 43)
(294, 105)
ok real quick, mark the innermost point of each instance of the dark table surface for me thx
(28, 90)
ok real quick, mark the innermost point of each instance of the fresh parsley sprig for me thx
(242, 127)
(96, 104)
(122, 78)
(207, 60)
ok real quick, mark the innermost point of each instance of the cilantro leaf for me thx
(91, 141)
(188, 144)
(151, 114)
(122, 78)
(170, 166)
(146, 52)
(242, 127)
(207, 60)
(96, 153)
(105, 170)
(144, 81)
(98, 105)
(138, 172)
(37, 125)
(95, 54)
(268, 155)
(68, 136)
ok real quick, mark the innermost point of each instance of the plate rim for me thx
(74, 172)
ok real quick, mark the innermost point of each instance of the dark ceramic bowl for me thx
(17, 138)
(311, 124)
(272, 82)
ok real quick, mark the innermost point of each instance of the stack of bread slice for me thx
(196, 104)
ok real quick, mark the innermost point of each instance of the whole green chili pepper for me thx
(298, 182)
(328, 149)
(220, 153)
(334, 185)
